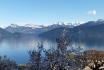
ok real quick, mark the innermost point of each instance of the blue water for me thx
(17, 48)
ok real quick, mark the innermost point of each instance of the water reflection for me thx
(18, 48)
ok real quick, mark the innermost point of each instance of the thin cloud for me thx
(92, 12)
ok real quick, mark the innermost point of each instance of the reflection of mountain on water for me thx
(13, 47)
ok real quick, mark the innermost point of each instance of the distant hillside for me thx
(52, 34)
(91, 31)
(4, 33)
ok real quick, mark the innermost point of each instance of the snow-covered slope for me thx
(34, 29)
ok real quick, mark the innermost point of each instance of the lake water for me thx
(18, 48)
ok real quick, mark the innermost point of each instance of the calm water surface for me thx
(18, 48)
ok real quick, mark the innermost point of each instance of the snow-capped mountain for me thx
(27, 25)
(92, 23)
(33, 26)
(58, 25)
(14, 25)
(34, 29)
(26, 29)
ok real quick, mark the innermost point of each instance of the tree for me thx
(7, 64)
(36, 57)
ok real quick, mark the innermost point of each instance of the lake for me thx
(18, 48)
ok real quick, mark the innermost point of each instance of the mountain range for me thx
(15, 30)
(90, 31)
(31, 29)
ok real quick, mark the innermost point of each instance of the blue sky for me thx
(49, 11)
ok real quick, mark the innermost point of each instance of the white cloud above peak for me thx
(92, 12)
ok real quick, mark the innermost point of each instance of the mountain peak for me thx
(14, 25)
(100, 21)
(33, 26)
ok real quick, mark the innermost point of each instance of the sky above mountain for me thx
(49, 11)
